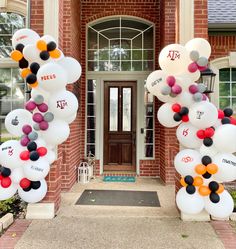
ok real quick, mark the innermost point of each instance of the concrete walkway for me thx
(103, 227)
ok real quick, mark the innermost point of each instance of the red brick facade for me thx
(73, 17)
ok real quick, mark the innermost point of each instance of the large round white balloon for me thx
(50, 156)
(25, 37)
(201, 45)
(223, 208)
(57, 132)
(165, 116)
(186, 134)
(36, 170)
(63, 104)
(185, 99)
(226, 167)
(203, 115)
(38, 91)
(6, 193)
(72, 67)
(16, 119)
(189, 204)
(48, 38)
(17, 174)
(154, 79)
(210, 151)
(224, 138)
(52, 77)
(186, 160)
(71, 119)
(34, 195)
(173, 59)
(10, 154)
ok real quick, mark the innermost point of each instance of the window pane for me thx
(5, 51)
(225, 74)
(137, 54)
(5, 40)
(112, 33)
(113, 109)
(147, 54)
(5, 75)
(5, 29)
(107, 24)
(125, 54)
(93, 55)
(148, 150)
(129, 33)
(137, 42)
(104, 66)
(148, 38)
(148, 65)
(224, 89)
(16, 77)
(91, 97)
(90, 123)
(115, 66)
(137, 66)
(91, 85)
(90, 136)
(149, 136)
(92, 66)
(18, 104)
(4, 134)
(92, 39)
(126, 109)
(103, 42)
(91, 110)
(114, 44)
(103, 55)
(126, 44)
(224, 102)
(234, 104)
(134, 24)
(149, 123)
(115, 54)
(234, 89)
(125, 65)
(233, 74)
(91, 148)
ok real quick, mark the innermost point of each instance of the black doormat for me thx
(119, 198)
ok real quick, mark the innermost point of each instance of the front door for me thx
(120, 125)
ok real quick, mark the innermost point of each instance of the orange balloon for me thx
(25, 72)
(204, 190)
(200, 169)
(198, 181)
(183, 183)
(220, 189)
(41, 45)
(16, 55)
(212, 168)
(34, 85)
(56, 53)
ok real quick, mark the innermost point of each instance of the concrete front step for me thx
(119, 173)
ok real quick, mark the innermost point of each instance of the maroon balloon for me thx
(193, 67)
(170, 80)
(43, 125)
(24, 141)
(176, 89)
(30, 105)
(27, 129)
(38, 117)
(43, 107)
(193, 89)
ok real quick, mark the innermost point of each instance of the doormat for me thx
(119, 179)
(119, 198)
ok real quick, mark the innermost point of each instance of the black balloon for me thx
(20, 47)
(27, 189)
(189, 180)
(34, 67)
(44, 55)
(5, 172)
(228, 112)
(32, 146)
(213, 186)
(51, 46)
(190, 189)
(31, 78)
(225, 120)
(207, 141)
(184, 111)
(177, 117)
(23, 63)
(34, 155)
(206, 175)
(206, 160)
(214, 197)
(35, 185)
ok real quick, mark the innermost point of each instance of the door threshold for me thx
(119, 173)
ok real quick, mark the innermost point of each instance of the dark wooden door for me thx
(120, 125)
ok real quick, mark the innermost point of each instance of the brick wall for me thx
(200, 19)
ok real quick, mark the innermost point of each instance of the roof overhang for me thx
(222, 27)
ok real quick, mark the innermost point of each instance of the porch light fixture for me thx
(208, 79)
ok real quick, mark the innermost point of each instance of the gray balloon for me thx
(201, 88)
(166, 90)
(202, 61)
(38, 99)
(33, 135)
(48, 116)
(194, 55)
(197, 97)
(173, 95)
(36, 127)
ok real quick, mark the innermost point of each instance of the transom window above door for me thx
(120, 44)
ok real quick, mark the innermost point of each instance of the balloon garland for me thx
(44, 123)
(207, 134)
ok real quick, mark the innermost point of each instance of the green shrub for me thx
(5, 206)
(233, 194)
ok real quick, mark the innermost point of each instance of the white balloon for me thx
(154, 79)
(186, 160)
(226, 167)
(71, 119)
(34, 195)
(189, 203)
(201, 45)
(52, 77)
(38, 91)
(184, 81)
(50, 156)
(185, 99)
(224, 138)
(16, 119)
(173, 59)
(203, 115)
(210, 151)
(48, 38)
(63, 104)
(17, 174)
(57, 132)
(25, 37)
(72, 67)
(194, 76)
(223, 208)
(10, 154)
(36, 170)
(6, 193)
(186, 134)
(165, 116)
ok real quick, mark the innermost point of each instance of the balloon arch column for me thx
(207, 134)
